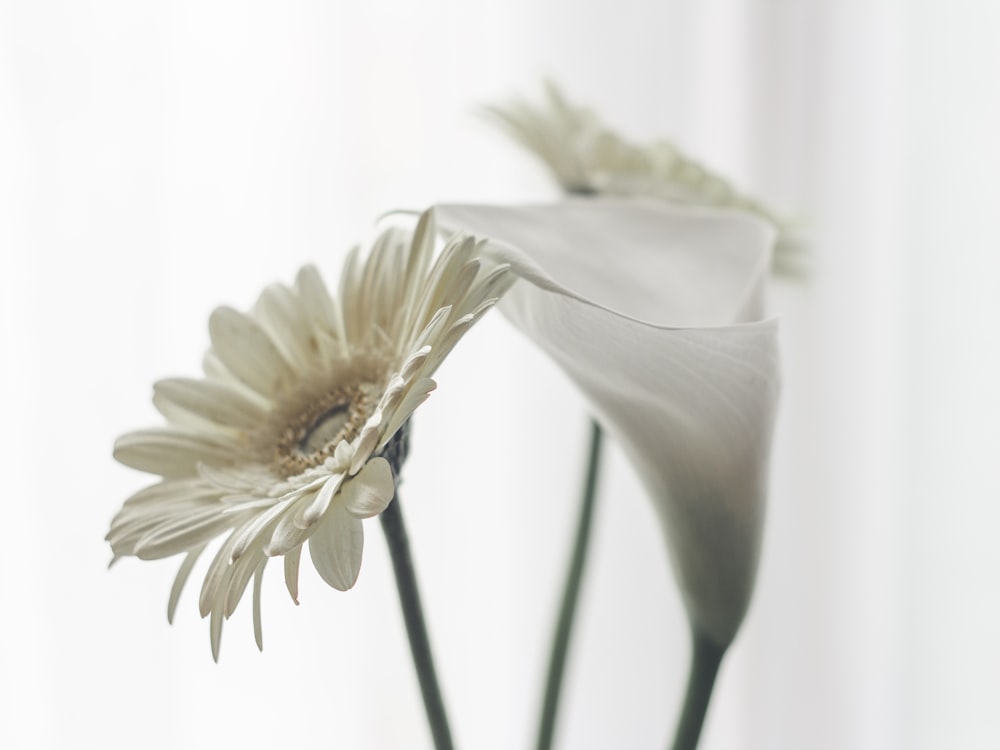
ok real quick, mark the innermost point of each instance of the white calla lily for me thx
(655, 313)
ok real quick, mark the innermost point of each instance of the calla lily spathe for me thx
(656, 314)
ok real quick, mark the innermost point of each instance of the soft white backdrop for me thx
(159, 159)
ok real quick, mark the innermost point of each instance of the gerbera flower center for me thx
(312, 432)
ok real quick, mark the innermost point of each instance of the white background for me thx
(159, 159)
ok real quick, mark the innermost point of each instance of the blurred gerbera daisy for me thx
(297, 429)
(587, 157)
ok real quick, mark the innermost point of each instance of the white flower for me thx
(586, 157)
(282, 442)
(656, 314)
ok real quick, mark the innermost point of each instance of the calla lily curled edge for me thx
(656, 313)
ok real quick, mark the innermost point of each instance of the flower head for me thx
(284, 442)
(587, 157)
(655, 313)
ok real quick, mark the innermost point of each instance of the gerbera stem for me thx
(571, 594)
(416, 628)
(706, 656)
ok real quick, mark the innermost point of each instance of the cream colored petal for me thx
(180, 579)
(209, 401)
(366, 441)
(336, 547)
(277, 311)
(242, 571)
(219, 570)
(317, 508)
(173, 452)
(323, 314)
(215, 631)
(415, 395)
(259, 527)
(692, 406)
(248, 352)
(370, 492)
(258, 630)
(181, 534)
(292, 572)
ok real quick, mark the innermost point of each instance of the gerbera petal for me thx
(180, 579)
(292, 559)
(258, 631)
(242, 571)
(328, 328)
(173, 452)
(208, 400)
(692, 406)
(416, 395)
(368, 493)
(248, 352)
(336, 548)
(181, 534)
(215, 630)
(278, 312)
(312, 512)
(217, 575)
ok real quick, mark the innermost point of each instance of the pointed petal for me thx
(258, 633)
(292, 573)
(180, 580)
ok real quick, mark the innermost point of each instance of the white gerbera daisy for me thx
(297, 429)
(587, 157)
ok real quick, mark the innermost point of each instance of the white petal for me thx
(416, 395)
(182, 575)
(369, 492)
(258, 631)
(248, 352)
(292, 573)
(693, 406)
(181, 534)
(173, 452)
(312, 512)
(366, 441)
(215, 631)
(277, 311)
(336, 548)
(208, 400)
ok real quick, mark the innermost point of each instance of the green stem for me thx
(571, 594)
(706, 656)
(416, 629)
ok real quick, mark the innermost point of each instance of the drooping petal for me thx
(655, 313)
(292, 559)
(370, 491)
(182, 575)
(336, 547)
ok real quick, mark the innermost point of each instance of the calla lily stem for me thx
(416, 628)
(571, 594)
(706, 656)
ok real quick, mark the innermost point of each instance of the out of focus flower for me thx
(285, 439)
(656, 313)
(587, 157)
